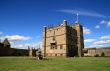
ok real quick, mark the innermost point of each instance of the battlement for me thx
(67, 37)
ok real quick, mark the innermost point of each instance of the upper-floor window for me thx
(50, 31)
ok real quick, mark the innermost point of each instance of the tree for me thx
(102, 54)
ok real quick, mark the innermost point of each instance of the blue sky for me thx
(22, 21)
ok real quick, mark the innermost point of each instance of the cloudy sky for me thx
(22, 21)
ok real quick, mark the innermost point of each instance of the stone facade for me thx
(63, 40)
(105, 51)
(32, 52)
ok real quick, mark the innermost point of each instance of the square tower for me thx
(63, 40)
(54, 40)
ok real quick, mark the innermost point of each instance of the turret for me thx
(6, 43)
(80, 39)
(44, 40)
(65, 22)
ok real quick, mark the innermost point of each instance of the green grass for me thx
(55, 64)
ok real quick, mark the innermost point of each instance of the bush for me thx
(97, 55)
(102, 54)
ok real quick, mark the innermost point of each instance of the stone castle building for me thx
(63, 40)
(4, 47)
(6, 50)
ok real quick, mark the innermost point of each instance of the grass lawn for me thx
(55, 64)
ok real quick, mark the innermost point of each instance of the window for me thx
(55, 54)
(53, 45)
(50, 30)
(61, 54)
(61, 46)
(56, 47)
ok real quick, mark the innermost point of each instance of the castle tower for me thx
(80, 39)
(44, 41)
(63, 40)
(30, 51)
(54, 40)
(6, 43)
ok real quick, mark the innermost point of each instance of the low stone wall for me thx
(13, 52)
(97, 51)
(20, 52)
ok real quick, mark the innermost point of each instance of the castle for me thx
(6, 50)
(63, 40)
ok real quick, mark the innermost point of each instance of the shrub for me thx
(102, 54)
(97, 55)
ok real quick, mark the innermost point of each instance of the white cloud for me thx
(86, 30)
(103, 22)
(108, 24)
(89, 40)
(1, 33)
(107, 37)
(97, 26)
(101, 42)
(17, 38)
(82, 12)
(20, 46)
(26, 45)
(96, 46)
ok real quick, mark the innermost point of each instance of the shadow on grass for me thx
(44, 59)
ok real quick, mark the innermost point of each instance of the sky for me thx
(22, 21)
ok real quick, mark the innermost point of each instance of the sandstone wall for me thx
(97, 51)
